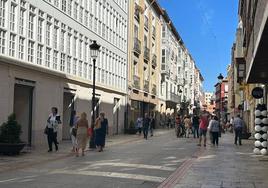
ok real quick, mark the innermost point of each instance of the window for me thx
(12, 45)
(74, 46)
(68, 64)
(80, 68)
(2, 13)
(30, 51)
(70, 3)
(96, 25)
(21, 48)
(90, 21)
(12, 17)
(81, 10)
(39, 54)
(40, 30)
(103, 30)
(55, 37)
(85, 51)
(63, 5)
(31, 26)
(68, 45)
(55, 60)
(56, 3)
(86, 18)
(48, 30)
(75, 10)
(85, 71)
(80, 49)
(74, 66)
(62, 62)
(21, 21)
(62, 40)
(102, 76)
(48, 51)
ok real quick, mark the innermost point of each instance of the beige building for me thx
(143, 57)
(45, 62)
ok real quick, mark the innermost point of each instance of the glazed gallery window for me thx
(30, 51)
(48, 52)
(21, 48)
(12, 38)
(39, 59)
(2, 12)
(31, 26)
(21, 21)
(12, 17)
(55, 60)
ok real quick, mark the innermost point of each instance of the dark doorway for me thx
(23, 105)
(68, 107)
(116, 116)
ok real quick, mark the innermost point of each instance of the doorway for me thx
(23, 105)
(68, 107)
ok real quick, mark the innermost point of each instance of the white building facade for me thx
(45, 62)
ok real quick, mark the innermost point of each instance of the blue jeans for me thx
(196, 131)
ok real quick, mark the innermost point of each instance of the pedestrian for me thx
(195, 122)
(73, 129)
(203, 128)
(152, 125)
(169, 121)
(139, 125)
(238, 125)
(82, 135)
(146, 124)
(178, 126)
(188, 125)
(101, 129)
(214, 128)
(231, 126)
(53, 122)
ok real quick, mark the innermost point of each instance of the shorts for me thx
(202, 132)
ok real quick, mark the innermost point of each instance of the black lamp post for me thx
(94, 52)
(220, 78)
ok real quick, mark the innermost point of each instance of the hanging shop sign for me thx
(257, 92)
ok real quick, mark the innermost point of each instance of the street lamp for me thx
(94, 52)
(220, 78)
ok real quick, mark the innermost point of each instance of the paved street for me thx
(161, 161)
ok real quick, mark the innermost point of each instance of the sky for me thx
(207, 28)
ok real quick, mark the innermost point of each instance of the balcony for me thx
(154, 89)
(136, 82)
(172, 97)
(146, 23)
(137, 45)
(154, 61)
(146, 86)
(146, 54)
(137, 12)
(153, 32)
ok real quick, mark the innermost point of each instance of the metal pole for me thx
(92, 139)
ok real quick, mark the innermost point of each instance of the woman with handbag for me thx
(101, 129)
(82, 134)
(53, 122)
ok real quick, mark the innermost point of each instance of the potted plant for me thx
(10, 131)
(132, 129)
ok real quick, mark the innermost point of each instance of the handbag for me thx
(74, 132)
(46, 130)
(89, 132)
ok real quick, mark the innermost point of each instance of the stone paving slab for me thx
(227, 166)
(40, 155)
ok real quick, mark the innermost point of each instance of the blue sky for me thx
(207, 28)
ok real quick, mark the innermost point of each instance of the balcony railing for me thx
(146, 23)
(154, 61)
(136, 82)
(153, 32)
(146, 86)
(137, 12)
(146, 53)
(173, 97)
(137, 45)
(154, 89)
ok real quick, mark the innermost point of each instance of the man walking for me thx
(238, 124)
(195, 126)
(146, 124)
(203, 128)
